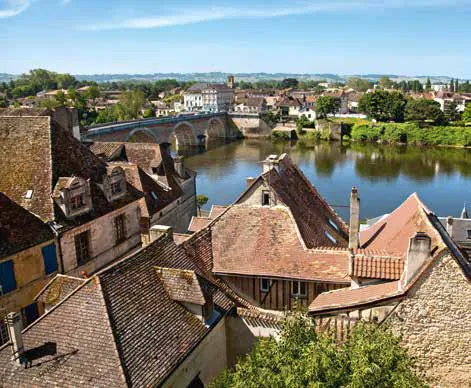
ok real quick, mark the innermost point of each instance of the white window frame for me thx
(265, 289)
(334, 225)
(298, 294)
(330, 237)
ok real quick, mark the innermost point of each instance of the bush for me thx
(281, 135)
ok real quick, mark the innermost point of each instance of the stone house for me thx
(179, 328)
(169, 187)
(92, 209)
(410, 275)
(280, 242)
(251, 105)
(459, 229)
(27, 261)
(217, 98)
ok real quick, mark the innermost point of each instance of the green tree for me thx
(451, 111)
(466, 116)
(106, 115)
(65, 81)
(48, 103)
(385, 83)
(61, 98)
(130, 105)
(148, 113)
(326, 105)
(382, 105)
(428, 85)
(424, 110)
(359, 84)
(371, 357)
(201, 200)
(451, 88)
(457, 85)
(289, 83)
(92, 93)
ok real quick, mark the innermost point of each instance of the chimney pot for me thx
(449, 225)
(418, 252)
(158, 231)
(180, 166)
(249, 181)
(16, 338)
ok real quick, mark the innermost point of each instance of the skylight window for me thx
(29, 194)
(330, 237)
(154, 195)
(333, 224)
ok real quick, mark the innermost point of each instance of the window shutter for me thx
(49, 257)
(7, 277)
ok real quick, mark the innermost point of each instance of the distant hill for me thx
(249, 77)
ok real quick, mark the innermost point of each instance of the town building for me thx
(92, 209)
(409, 274)
(169, 187)
(459, 229)
(193, 97)
(27, 261)
(444, 98)
(251, 105)
(280, 243)
(152, 319)
(208, 97)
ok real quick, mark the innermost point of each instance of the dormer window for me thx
(265, 198)
(114, 183)
(73, 196)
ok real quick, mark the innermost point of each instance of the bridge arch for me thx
(216, 129)
(184, 133)
(141, 135)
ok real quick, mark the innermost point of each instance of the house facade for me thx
(27, 261)
(92, 209)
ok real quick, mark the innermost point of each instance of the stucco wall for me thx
(102, 240)
(207, 360)
(435, 322)
(30, 278)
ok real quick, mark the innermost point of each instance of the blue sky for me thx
(410, 37)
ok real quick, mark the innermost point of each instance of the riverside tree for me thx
(383, 106)
(371, 357)
(466, 116)
(326, 105)
(424, 110)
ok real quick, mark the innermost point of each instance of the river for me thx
(385, 175)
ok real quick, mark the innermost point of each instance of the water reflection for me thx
(385, 174)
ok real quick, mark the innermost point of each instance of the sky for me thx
(407, 37)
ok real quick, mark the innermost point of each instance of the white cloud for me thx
(189, 16)
(10, 8)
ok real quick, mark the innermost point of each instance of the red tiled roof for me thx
(377, 267)
(216, 211)
(198, 223)
(264, 242)
(350, 297)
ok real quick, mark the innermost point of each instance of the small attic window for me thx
(330, 237)
(333, 224)
(116, 188)
(265, 198)
(29, 194)
(468, 234)
(77, 202)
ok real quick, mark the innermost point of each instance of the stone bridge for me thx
(184, 130)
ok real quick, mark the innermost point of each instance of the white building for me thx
(208, 97)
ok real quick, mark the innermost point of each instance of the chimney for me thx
(269, 163)
(353, 238)
(68, 119)
(158, 231)
(449, 225)
(249, 181)
(417, 254)
(179, 166)
(14, 329)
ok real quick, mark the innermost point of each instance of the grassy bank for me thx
(411, 133)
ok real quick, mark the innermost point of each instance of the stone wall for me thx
(435, 323)
(334, 130)
(252, 126)
(207, 361)
(102, 240)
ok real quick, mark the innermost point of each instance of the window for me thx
(81, 248)
(120, 229)
(7, 277)
(77, 202)
(469, 233)
(265, 284)
(333, 224)
(330, 237)
(116, 188)
(49, 257)
(298, 288)
(265, 198)
(4, 338)
(30, 314)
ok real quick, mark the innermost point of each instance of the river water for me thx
(385, 175)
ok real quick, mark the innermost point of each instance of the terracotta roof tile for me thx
(375, 267)
(198, 223)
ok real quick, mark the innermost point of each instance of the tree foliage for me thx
(383, 106)
(359, 84)
(385, 83)
(289, 83)
(466, 116)
(201, 200)
(451, 111)
(371, 357)
(424, 110)
(326, 105)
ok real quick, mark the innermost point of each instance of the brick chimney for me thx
(354, 237)
(449, 225)
(16, 338)
(158, 231)
(180, 166)
(417, 253)
(270, 162)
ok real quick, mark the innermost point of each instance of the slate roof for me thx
(119, 328)
(19, 229)
(310, 210)
(182, 285)
(36, 152)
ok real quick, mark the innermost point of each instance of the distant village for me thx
(105, 259)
